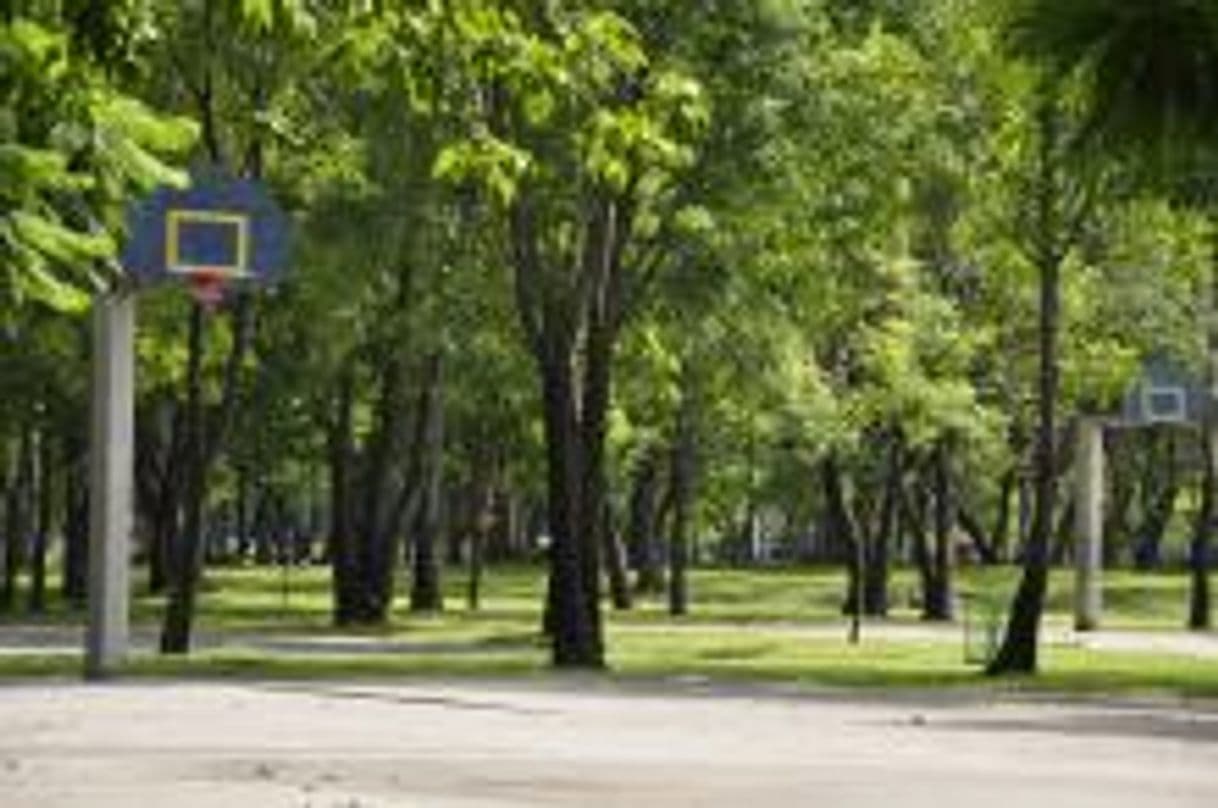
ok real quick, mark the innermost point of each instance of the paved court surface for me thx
(588, 743)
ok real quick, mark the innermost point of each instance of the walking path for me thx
(586, 743)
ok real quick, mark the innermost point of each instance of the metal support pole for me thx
(111, 482)
(1089, 524)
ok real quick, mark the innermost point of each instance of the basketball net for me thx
(206, 285)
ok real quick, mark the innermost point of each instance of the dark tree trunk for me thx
(1063, 534)
(644, 505)
(841, 532)
(185, 555)
(615, 563)
(243, 512)
(76, 522)
(913, 511)
(425, 591)
(571, 326)
(44, 526)
(12, 530)
(343, 569)
(875, 576)
(1160, 490)
(986, 553)
(1018, 651)
(575, 639)
(1199, 612)
(683, 469)
(937, 602)
(473, 595)
(1117, 533)
(1000, 542)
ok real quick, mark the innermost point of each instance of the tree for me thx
(1143, 67)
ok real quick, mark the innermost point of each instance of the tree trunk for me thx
(913, 512)
(425, 592)
(644, 504)
(615, 563)
(1199, 612)
(76, 520)
(937, 602)
(1018, 651)
(42, 530)
(575, 639)
(683, 469)
(1160, 490)
(986, 553)
(1001, 535)
(875, 576)
(343, 570)
(12, 528)
(185, 555)
(1117, 535)
(840, 531)
(1199, 616)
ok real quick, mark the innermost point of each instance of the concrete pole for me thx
(111, 482)
(1089, 524)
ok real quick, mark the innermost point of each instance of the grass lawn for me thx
(778, 626)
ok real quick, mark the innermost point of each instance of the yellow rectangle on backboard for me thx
(174, 221)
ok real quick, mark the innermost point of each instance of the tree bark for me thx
(644, 496)
(76, 520)
(1000, 540)
(1199, 611)
(937, 603)
(683, 469)
(425, 591)
(185, 555)
(875, 576)
(615, 563)
(44, 493)
(343, 570)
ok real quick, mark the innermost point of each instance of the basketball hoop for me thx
(207, 285)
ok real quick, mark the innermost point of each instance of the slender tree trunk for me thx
(1120, 497)
(937, 603)
(875, 579)
(842, 533)
(12, 528)
(44, 526)
(683, 463)
(644, 505)
(1018, 651)
(425, 591)
(76, 520)
(913, 511)
(986, 553)
(615, 563)
(1001, 534)
(343, 571)
(1199, 612)
(473, 597)
(185, 556)
(1161, 488)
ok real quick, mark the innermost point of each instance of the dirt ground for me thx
(588, 743)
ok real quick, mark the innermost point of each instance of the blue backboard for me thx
(227, 227)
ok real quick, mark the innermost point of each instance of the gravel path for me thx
(588, 743)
